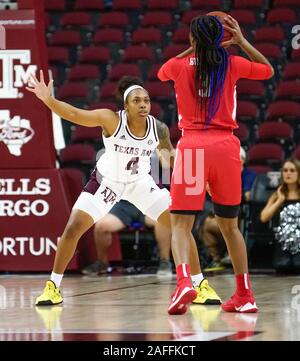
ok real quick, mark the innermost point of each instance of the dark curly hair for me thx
(124, 83)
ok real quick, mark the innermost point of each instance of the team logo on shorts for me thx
(109, 195)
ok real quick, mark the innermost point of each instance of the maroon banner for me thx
(26, 138)
(34, 209)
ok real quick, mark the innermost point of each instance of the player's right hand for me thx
(233, 27)
(38, 87)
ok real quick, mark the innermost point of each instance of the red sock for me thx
(242, 284)
(183, 271)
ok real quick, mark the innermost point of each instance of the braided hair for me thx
(211, 63)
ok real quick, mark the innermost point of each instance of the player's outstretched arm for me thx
(88, 118)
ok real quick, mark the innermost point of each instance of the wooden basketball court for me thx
(135, 308)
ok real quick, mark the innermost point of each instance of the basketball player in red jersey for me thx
(129, 136)
(205, 79)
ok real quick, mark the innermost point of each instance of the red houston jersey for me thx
(182, 70)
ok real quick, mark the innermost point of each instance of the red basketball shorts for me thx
(209, 156)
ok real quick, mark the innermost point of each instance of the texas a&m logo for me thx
(14, 76)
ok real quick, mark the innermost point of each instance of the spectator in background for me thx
(283, 208)
(210, 232)
(122, 215)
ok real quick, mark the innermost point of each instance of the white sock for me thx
(197, 279)
(56, 278)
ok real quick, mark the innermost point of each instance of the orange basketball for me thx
(220, 14)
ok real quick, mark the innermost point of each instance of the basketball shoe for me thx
(50, 296)
(206, 295)
(236, 303)
(183, 294)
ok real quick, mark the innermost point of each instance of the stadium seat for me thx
(242, 132)
(209, 5)
(66, 37)
(269, 34)
(119, 70)
(156, 18)
(270, 51)
(288, 90)
(173, 50)
(244, 17)
(289, 3)
(95, 55)
(162, 5)
(284, 109)
(152, 75)
(104, 105)
(295, 55)
(297, 152)
(275, 131)
(191, 14)
(89, 5)
(107, 91)
(78, 153)
(249, 4)
(159, 90)
(281, 15)
(82, 134)
(58, 55)
(115, 19)
(55, 5)
(138, 52)
(147, 35)
(291, 71)
(84, 72)
(247, 111)
(265, 153)
(181, 35)
(127, 5)
(73, 91)
(111, 35)
(77, 19)
(251, 90)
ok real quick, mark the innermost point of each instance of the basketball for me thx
(220, 14)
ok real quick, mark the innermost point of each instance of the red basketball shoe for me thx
(183, 294)
(236, 303)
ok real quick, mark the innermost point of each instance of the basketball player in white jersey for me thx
(130, 136)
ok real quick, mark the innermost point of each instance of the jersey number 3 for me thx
(133, 165)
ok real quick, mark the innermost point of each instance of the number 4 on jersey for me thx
(133, 165)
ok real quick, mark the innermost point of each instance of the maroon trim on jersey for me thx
(147, 132)
(155, 129)
(120, 123)
(93, 183)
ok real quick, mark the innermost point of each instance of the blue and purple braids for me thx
(211, 63)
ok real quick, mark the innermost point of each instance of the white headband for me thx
(128, 90)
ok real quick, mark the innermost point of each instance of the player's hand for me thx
(38, 87)
(280, 195)
(233, 27)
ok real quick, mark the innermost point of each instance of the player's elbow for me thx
(270, 72)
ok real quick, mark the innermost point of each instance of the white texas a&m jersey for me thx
(127, 157)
